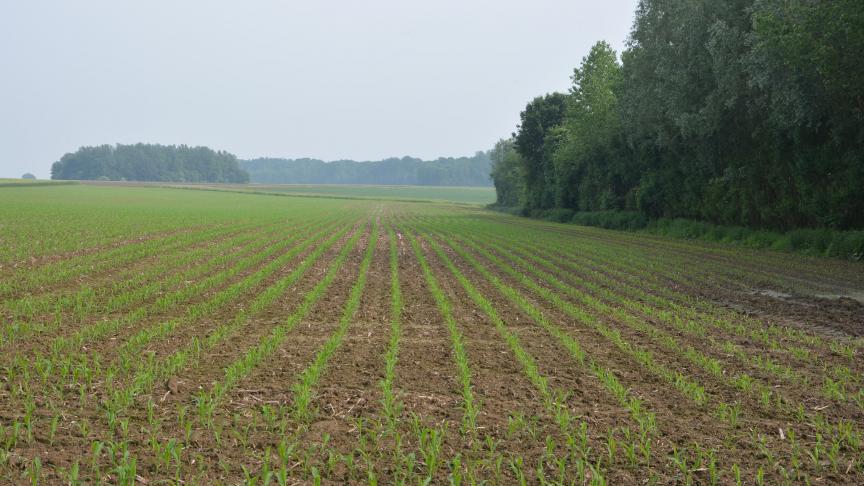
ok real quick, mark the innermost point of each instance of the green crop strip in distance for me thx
(207, 402)
(310, 376)
(731, 271)
(456, 339)
(161, 369)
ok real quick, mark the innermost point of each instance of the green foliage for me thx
(591, 172)
(619, 220)
(507, 175)
(816, 242)
(809, 241)
(146, 162)
(461, 171)
(535, 141)
(742, 113)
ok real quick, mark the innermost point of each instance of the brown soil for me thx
(347, 437)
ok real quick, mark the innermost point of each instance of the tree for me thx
(742, 112)
(449, 171)
(536, 139)
(805, 68)
(146, 162)
(685, 105)
(28, 175)
(507, 175)
(591, 172)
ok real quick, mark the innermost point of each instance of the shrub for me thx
(619, 220)
(810, 241)
(560, 215)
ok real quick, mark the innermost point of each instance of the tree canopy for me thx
(744, 112)
(460, 171)
(149, 162)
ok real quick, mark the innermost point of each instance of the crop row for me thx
(840, 432)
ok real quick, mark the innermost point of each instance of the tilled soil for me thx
(807, 429)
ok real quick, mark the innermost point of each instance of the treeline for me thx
(149, 162)
(460, 171)
(740, 112)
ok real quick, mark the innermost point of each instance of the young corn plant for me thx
(310, 376)
(468, 404)
(389, 401)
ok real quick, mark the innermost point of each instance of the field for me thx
(468, 195)
(31, 182)
(166, 336)
(454, 194)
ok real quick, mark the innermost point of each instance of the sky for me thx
(323, 79)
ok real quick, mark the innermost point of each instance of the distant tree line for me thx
(149, 162)
(461, 171)
(740, 112)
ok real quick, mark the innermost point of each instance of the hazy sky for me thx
(325, 79)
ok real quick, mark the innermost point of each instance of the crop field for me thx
(165, 336)
(31, 182)
(468, 195)
(454, 194)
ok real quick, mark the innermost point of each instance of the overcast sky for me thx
(325, 79)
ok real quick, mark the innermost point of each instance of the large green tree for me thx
(805, 66)
(507, 175)
(592, 172)
(745, 112)
(684, 103)
(149, 162)
(536, 140)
